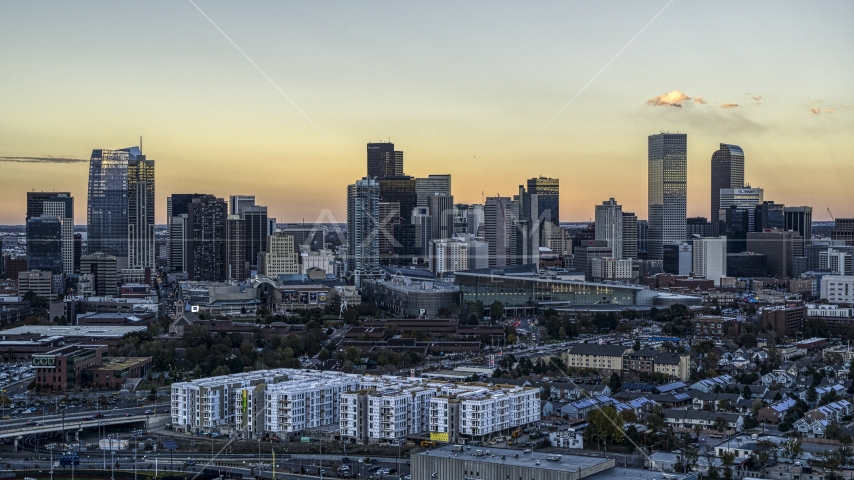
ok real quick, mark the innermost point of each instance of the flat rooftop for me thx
(73, 331)
(568, 463)
(121, 363)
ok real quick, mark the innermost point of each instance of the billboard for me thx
(439, 436)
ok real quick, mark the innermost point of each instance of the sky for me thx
(278, 99)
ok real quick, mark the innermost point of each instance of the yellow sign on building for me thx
(439, 436)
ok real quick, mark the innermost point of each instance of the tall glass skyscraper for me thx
(120, 211)
(384, 160)
(548, 198)
(727, 172)
(44, 244)
(363, 243)
(668, 190)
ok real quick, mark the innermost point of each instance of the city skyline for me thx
(482, 107)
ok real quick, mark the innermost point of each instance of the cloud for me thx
(828, 110)
(815, 110)
(757, 98)
(672, 99)
(845, 104)
(729, 105)
(46, 159)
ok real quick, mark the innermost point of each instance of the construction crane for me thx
(831, 215)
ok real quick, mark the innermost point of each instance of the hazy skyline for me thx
(470, 89)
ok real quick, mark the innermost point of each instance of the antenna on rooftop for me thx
(140, 144)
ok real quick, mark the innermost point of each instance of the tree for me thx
(763, 452)
(614, 382)
(812, 394)
(721, 424)
(636, 346)
(353, 355)
(496, 310)
(220, 370)
(746, 393)
(688, 460)
(727, 461)
(605, 424)
(831, 460)
(791, 448)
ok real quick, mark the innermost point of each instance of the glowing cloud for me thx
(670, 99)
(699, 100)
(729, 105)
(815, 110)
(828, 110)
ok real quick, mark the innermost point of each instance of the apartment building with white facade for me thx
(369, 409)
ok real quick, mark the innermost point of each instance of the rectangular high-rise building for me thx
(768, 215)
(698, 227)
(141, 250)
(237, 203)
(779, 247)
(389, 217)
(280, 258)
(103, 269)
(609, 226)
(727, 172)
(630, 235)
(363, 247)
(843, 229)
(206, 257)
(177, 211)
(61, 206)
(44, 244)
(746, 199)
(668, 189)
(799, 219)
(441, 208)
(547, 191)
(235, 227)
(432, 185)
(710, 258)
(257, 229)
(35, 202)
(120, 209)
(384, 160)
(497, 227)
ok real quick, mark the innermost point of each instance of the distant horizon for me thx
(279, 100)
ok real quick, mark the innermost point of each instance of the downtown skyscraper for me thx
(668, 191)
(384, 160)
(363, 243)
(120, 211)
(547, 191)
(727, 172)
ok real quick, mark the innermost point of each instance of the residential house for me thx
(711, 401)
(832, 412)
(779, 377)
(689, 418)
(641, 361)
(709, 384)
(811, 429)
(776, 412)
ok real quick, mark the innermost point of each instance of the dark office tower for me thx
(401, 189)
(423, 229)
(177, 213)
(389, 217)
(78, 250)
(547, 191)
(779, 247)
(630, 235)
(497, 228)
(104, 270)
(799, 219)
(236, 245)
(768, 215)
(206, 256)
(668, 175)
(735, 225)
(526, 229)
(237, 203)
(44, 244)
(384, 161)
(141, 250)
(843, 229)
(35, 202)
(727, 172)
(643, 238)
(120, 211)
(363, 246)
(432, 185)
(257, 230)
(441, 209)
(698, 227)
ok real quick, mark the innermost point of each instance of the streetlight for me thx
(50, 447)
